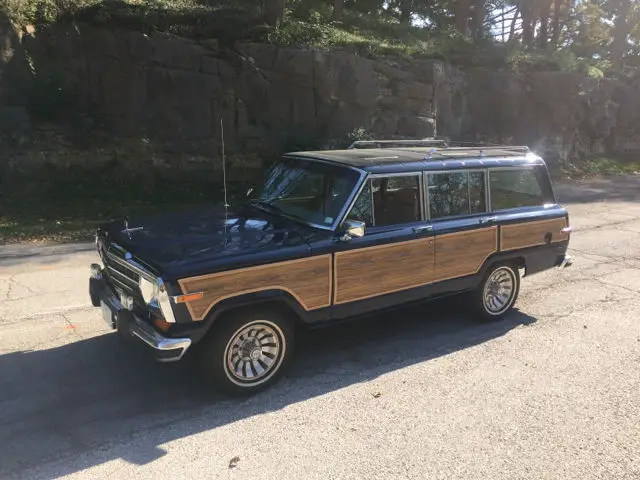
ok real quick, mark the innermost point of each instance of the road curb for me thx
(11, 252)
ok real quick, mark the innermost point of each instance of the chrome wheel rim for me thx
(499, 290)
(254, 353)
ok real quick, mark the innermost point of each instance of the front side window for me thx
(388, 201)
(307, 191)
(456, 194)
(518, 188)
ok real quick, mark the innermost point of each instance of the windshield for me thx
(308, 191)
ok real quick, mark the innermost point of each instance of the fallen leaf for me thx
(234, 462)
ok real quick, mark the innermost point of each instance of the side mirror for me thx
(351, 229)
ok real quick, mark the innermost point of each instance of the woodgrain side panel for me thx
(463, 253)
(307, 279)
(372, 271)
(531, 234)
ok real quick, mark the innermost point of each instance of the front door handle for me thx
(423, 229)
(489, 219)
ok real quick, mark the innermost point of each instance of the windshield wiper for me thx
(269, 206)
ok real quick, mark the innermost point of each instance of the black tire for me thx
(95, 298)
(486, 301)
(251, 339)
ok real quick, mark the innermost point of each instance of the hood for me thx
(190, 241)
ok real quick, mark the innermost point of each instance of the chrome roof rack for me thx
(443, 146)
(425, 142)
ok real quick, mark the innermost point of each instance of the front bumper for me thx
(130, 325)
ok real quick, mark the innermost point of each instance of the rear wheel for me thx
(498, 291)
(247, 351)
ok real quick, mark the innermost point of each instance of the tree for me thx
(461, 12)
(478, 14)
(273, 11)
(544, 15)
(528, 12)
(338, 9)
(555, 23)
(621, 30)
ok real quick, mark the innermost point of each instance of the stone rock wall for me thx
(562, 115)
(176, 91)
(15, 78)
(173, 93)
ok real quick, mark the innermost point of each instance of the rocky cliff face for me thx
(562, 115)
(175, 92)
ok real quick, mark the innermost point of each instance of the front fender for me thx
(262, 297)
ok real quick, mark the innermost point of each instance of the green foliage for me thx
(582, 39)
(601, 165)
(594, 72)
(359, 134)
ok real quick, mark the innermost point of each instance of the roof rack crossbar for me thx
(488, 148)
(427, 142)
(445, 145)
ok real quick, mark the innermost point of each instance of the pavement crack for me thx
(10, 282)
(71, 325)
(584, 252)
(616, 285)
(612, 224)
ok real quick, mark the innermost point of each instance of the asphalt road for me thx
(551, 392)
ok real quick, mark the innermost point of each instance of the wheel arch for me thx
(515, 258)
(279, 300)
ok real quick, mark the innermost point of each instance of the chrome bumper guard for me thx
(151, 337)
(134, 326)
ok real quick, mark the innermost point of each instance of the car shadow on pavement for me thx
(86, 403)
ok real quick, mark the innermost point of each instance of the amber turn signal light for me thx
(161, 325)
(189, 297)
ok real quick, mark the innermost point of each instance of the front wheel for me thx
(246, 352)
(497, 292)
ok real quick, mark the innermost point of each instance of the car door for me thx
(396, 254)
(465, 233)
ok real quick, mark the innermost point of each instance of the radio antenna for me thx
(224, 166)
(224, 185)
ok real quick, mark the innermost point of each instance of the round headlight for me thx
(148, 289)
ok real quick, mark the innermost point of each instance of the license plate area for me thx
(108, 316)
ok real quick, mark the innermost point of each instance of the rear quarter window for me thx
(516, 188)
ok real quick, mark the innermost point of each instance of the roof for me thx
(399, 159)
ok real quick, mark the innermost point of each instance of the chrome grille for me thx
(120, 274)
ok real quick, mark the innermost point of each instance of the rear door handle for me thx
(423, 229)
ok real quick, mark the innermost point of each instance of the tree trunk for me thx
(338, 9)
(405, 12)
(477, 18)
(462, 12)
(273, 11)
(621, 30)
(528, 22)
(512, 30)
(555, 24)
(543, 32)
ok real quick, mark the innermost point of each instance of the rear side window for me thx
(456, 193)
(519, 188)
